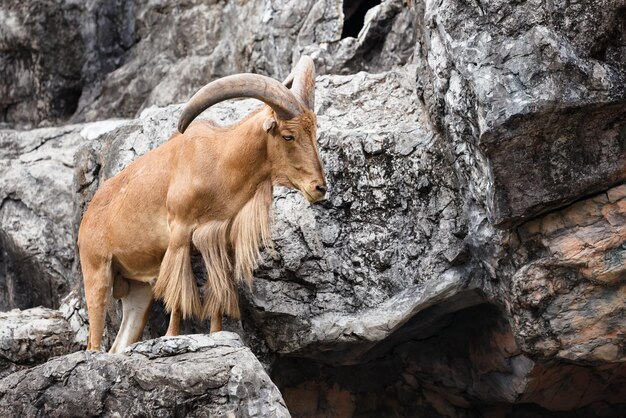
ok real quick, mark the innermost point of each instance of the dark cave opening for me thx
(65, 101)
(398, 381)
(354, 12)
(451, 362)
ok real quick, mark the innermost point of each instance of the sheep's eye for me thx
(288, 137)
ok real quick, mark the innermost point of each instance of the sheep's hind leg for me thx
(135, 307)
(98, 283)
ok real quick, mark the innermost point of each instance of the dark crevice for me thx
(66, 101)
(354, 12)
(22, 284)
(611, 46)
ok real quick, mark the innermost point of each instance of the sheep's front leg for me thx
(220, 290)
(216, 323)
(174, 327)
(176, 284)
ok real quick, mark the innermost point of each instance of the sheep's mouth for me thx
(309, 197)
(313, 200)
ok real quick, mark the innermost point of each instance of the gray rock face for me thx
(388, 242)
(36, 207)
(185, 45)
(348, 39)
(529, 84)
(195, 376)
(32, 337)
(99, 59)
(51, 54)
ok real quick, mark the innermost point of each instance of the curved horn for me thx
(303, 85)
(260, 87)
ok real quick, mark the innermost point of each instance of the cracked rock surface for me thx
(529, 83)
(107, 59)
(36, 207)
(469, 261)
(194, 375)
(389, 240)
(33, 336)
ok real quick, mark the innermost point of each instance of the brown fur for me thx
(230, 250)
(176, 283)
(251, 229)
(220, 294)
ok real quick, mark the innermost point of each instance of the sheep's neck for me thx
(244, 157)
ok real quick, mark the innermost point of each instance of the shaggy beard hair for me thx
(230, 250)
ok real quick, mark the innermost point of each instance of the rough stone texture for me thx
(449, 273)
(568, 297)
(51, 53)
(342, 43)
(36, 207)
(388, 242)
(530, 84)
(32, 337)
(100, 59)
(564, 351)
(194, 376)
(184, 45)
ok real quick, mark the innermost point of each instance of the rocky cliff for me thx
(470, 260)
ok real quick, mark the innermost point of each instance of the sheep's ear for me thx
(269, 124)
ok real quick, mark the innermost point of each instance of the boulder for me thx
(527, 86)
(35, 335)
(390, 240)
(568, 296)
(37, 243)
(194, 375)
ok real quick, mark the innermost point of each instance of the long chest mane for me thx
(230, 249)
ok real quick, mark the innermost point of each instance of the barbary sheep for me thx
(208, 188)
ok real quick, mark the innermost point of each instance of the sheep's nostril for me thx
(320, 189)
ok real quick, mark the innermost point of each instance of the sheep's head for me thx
(296, 163)
(290, 125)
